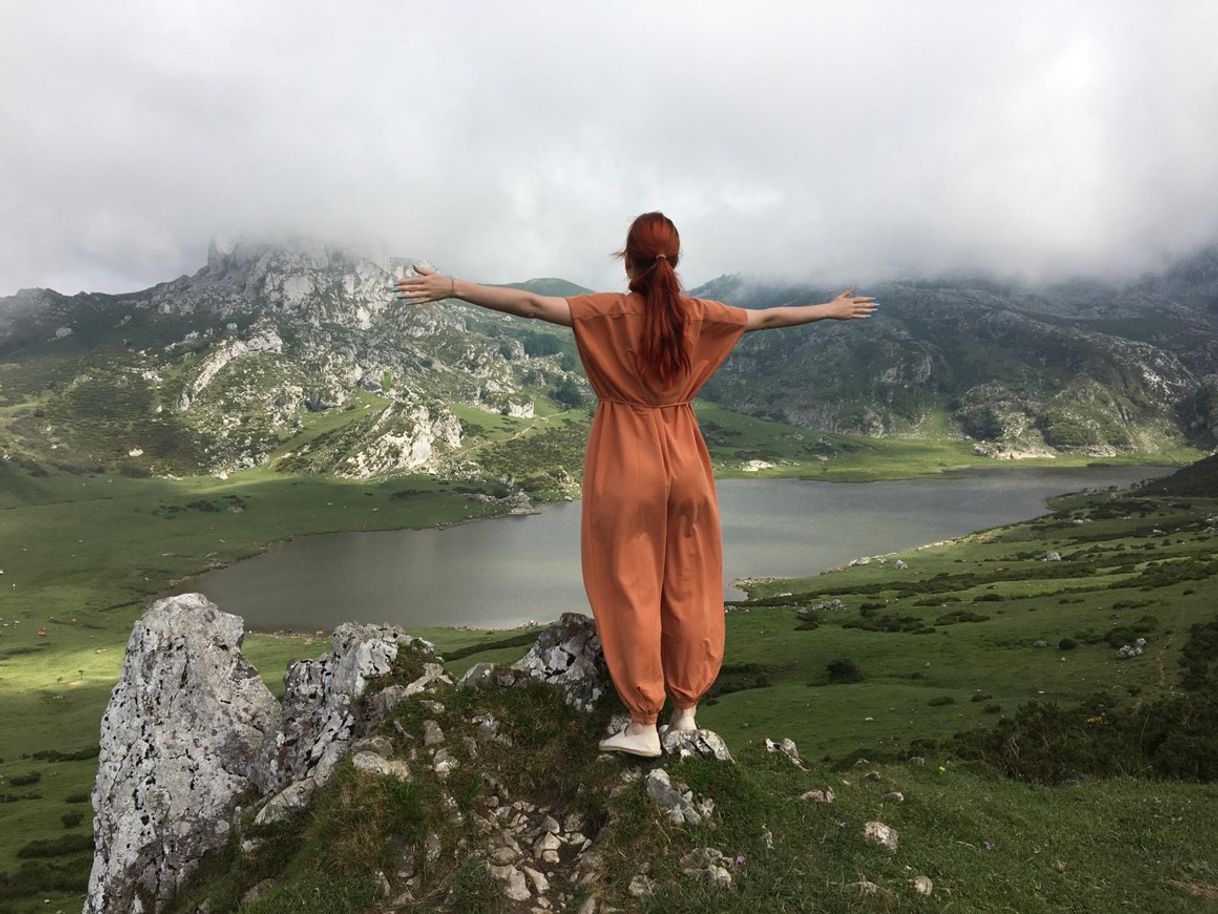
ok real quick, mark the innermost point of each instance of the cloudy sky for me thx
(849, 141)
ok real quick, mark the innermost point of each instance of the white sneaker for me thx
(646, 744)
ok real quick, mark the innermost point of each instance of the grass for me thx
(988, 843)
(734, 438)
(84, 554)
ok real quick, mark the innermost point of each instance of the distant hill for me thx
(296, 354)
(550, 286)
(1081, 367)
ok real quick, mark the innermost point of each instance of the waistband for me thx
(644, 405)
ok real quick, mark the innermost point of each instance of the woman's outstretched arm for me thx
(843, 308)
(431, 285)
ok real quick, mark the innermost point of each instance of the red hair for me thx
(652, 249)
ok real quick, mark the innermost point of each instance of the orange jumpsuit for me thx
(650, 543)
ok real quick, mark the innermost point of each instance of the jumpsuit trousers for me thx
(650, 540)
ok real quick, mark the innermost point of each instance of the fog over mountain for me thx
(853, 142)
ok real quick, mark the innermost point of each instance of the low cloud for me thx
(504, 141)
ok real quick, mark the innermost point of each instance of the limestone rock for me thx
(444, 762)
(432, 734)
(879, 833)
(676, 800)
(164, 795)
(378, 764)
(541, 884)
(568, 655)
(710, 864)
(294, 796)
(479, 675)
(319, 712)
(818, 795)
(385, 700)
(1131, 650)
(621, 720)
(641, 885)
(700, 743)
(787, 748)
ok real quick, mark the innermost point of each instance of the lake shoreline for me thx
(573, 601)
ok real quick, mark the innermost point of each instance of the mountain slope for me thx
(296, 355)
(234, 366)
(1077, 367)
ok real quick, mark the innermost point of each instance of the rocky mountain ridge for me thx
(294, 354)
(222, 370)
(1080, 366)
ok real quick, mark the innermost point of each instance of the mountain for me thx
(295, 355)
(1078, 366)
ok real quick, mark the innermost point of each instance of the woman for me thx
(650, 543)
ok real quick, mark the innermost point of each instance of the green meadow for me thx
(83, 554)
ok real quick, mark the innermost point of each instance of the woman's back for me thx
(608, 327)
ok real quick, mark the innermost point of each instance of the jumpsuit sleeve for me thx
(722, 327)
(582, 307)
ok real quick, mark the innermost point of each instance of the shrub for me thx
(1172, 737)
(72, 819)
(960, 615)
(843, 670)
(1067, 644)
(56, 847)
(736, 677)
(23, 780)
(939, 700)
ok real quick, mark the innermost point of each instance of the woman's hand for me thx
(850, 307)
(429, 285)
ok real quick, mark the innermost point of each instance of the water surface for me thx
(504, 571)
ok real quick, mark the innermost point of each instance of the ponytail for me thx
(653, 247)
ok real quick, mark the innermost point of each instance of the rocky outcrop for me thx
(319, 714)
(676, 799)
(381, 700)
(568, 656)
(267, 340)
(403, 439)
(165, 794)
(694, 744)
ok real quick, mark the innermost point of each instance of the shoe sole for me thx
(632, 752)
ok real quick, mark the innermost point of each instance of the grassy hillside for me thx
(945, 645)
(1200, 478)
(892, 691)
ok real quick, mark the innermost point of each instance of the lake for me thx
(503, 571)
